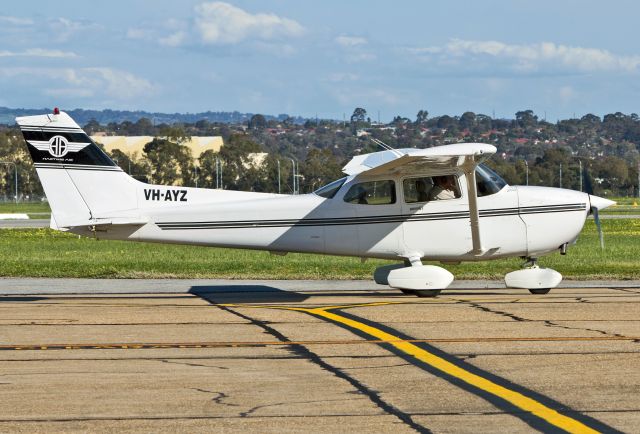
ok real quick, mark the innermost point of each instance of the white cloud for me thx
(222, 23)
(137, 33)
(532, 57)
(38, 52)
(96, 82)
(350, 41)
(171, 33)
(113, 82)
(63, 29)
(16, 21)
(174, 39)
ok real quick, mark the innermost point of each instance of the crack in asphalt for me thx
(219, 396)
(191, 364)
(252, 410)
(546, 323)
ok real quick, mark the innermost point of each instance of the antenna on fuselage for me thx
(386, 147)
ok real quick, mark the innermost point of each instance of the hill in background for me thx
(104, 117)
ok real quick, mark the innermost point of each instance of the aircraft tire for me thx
(539, 291)
(408, 291)
(427, 292)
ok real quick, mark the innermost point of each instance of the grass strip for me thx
(48, 253)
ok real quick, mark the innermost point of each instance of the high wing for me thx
(398, 161)
(464, 156)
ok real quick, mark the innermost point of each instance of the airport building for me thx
(135, 144)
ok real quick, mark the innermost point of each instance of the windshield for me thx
(330, 190)
(487, 181)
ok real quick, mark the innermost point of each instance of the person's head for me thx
(446, 182)
(420, 186)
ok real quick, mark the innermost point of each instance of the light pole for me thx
(293, 174)
(195, 171)
(278, 176)
(526, 167)
(580, 174)
(218, 173)
(560, 175)
(15, 174)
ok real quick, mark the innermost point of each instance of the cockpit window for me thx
(372, 193)
(330, 190)
(487, 181)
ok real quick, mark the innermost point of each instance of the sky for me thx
(559, 58)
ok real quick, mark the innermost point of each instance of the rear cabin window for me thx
(372, 193)
(426, 188)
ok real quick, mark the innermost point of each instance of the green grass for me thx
(47, 253)
(25, 207)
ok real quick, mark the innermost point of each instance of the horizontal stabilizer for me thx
(115, 221)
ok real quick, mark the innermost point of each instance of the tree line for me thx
(529, 149)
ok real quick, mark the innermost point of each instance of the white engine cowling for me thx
(533, 278)
(420, 277)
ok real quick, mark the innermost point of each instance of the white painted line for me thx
(13, 216)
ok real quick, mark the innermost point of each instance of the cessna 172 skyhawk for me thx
(436, 204)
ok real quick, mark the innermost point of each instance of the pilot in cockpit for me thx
(444, 188)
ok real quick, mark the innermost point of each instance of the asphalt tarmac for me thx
(297, 356)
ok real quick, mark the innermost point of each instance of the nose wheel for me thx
(539, 291)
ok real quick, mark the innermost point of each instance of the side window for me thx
(426, 189)
(417, 189)
(372, 193)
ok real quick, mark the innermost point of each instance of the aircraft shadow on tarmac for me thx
(17, 299)
(271, 294)
(246, 294)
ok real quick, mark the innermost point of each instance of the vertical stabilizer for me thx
(81, 182)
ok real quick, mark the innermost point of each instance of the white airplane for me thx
(409, 205)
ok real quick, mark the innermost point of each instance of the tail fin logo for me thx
(58, 146)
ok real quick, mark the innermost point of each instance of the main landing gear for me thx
(537, 280)
(421, 292)
(414, 278)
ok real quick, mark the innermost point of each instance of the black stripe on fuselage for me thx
(77, 167)
(53, 129)
(396, 218)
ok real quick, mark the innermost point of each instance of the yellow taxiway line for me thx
(517, 399)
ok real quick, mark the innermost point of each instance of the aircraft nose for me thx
(600, 202)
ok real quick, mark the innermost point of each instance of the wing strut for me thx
(469, 168)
